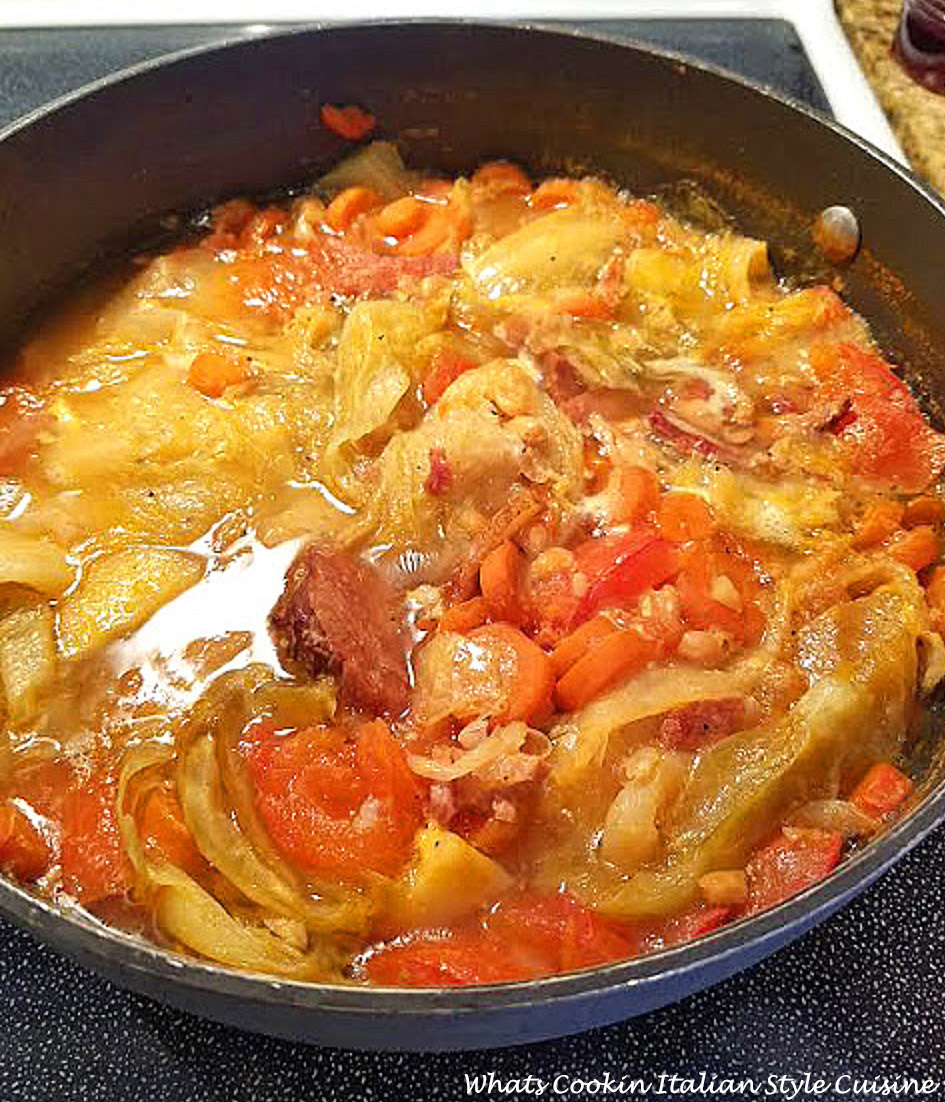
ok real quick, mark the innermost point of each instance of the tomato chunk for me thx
(794, 861)
(531, 935)
(336, 802)
(94, 865)
(621, 568)
(882, 790)
(892, 444)
(23, 850)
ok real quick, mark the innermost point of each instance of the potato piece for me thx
(27, 659)
(447, 879)
(33, 561)
(119, 591)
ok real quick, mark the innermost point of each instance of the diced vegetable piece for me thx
(684, 516)
(33, 561)
(573, 647)
(119, 591)
(634, 563)
(347, 205)
(338, 803)
(605, 665)
(27, 659)
(445, 367)
(465, 616)
(918, 547)
(795, 861)
(23, 850)
(927, 509)
(530, 677)
(530, 935)
(638, 492)
(500, 577)
(213, 372)
(499, 176)
(94, 866)
(881, 519)
(351, 122)
(881, 791)
(447, 880)
(558, 192)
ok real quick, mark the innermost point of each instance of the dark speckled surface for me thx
(863, 994)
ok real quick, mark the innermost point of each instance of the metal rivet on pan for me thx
(837, 233)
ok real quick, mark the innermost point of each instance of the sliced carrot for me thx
(606, 665)
(638, 493)
(447, 224)
(684, 517)
(584, 304)
(165, 833)
(573, 647)
(881, 519)
(351, 122)
(918, 547)
(533, 681)
(23, 850)
(556, 192)
(927, 509)
(347, 205)
(500, 176)
(465, 616)
(402, 216)
(500, 579)
(212, 372)
(882, 790)
(446, 366)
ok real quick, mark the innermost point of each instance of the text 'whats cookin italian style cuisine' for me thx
(435, 581)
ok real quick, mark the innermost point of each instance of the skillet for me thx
(93, 175)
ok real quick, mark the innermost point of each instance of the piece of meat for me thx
(697, 725)
(338, 616)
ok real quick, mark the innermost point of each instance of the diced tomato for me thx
(621, 568)
(94, 865)
(446, 367)
(892, 444)
(788, 865)
(23, 850)
(337, 803)
(697, 583)
(530, 935)
(700, 920)
(684, 517)
(638, 493)
(882, 790)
